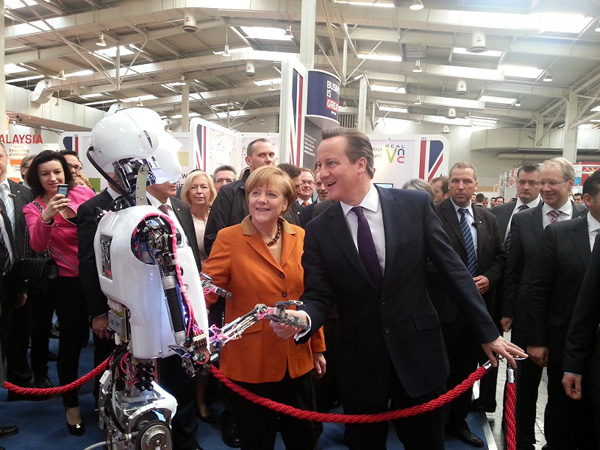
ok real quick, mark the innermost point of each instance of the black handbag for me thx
(39, 270)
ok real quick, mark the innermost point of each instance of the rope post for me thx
(509, 410)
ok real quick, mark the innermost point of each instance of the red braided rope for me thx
(60, 389)
(353, 418)
(509, 414)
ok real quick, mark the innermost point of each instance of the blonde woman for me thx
(199, 192)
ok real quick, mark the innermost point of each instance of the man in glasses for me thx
(223, 176)
(557, 177)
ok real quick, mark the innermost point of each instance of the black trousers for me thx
(67, 294)
(528, 377)
(174, 379)
(568, 423)
(425, 431)
(257, 425)
(463, 354)
(42, 309)
(14, 328)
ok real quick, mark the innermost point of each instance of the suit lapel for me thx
(449, 214)
(343, 239)
(481, 229)
(537, 222)
(581, 241)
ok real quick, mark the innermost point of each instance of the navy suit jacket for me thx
(491, 258)
(398, 327)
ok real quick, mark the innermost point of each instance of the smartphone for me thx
(63, 189)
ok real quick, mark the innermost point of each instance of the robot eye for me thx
(148, 137)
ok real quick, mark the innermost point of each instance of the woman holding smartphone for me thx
(52, 224)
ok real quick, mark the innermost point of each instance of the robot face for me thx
(136, 134)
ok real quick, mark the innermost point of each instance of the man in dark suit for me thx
(488, 252)
(528, 196)
(581, 364)
(389, 342)
(556, 180)
(559, 270)
(14, 323)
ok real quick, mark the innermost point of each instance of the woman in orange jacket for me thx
(259, 261)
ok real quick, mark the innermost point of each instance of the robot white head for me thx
(123, 141)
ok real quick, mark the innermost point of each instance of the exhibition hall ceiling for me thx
(511, 63)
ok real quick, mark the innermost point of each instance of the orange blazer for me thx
(241, 262)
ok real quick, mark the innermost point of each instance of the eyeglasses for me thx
(529, 182)
(552, 183)
(309, 182)
(75, 168)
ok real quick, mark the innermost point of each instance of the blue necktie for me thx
(366, 248)
(466, 231)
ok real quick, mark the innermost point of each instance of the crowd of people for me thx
(406, 291)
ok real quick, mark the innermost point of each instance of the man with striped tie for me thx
(475, 236)
(14, 321)
(557, 177)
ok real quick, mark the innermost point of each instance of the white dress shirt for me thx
(566, 212)
(470, 218)
(372, 210)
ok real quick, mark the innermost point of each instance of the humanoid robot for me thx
(154, 290)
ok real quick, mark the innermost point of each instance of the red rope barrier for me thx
(509, 414)
(60, 389)
(352, 418)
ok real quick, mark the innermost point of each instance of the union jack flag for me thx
(431, 156)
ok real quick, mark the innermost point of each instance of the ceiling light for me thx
(392, 89)
(13, 68)
(461, 87)
(266, 33)
(446, 129)
(499, 100)
(61, 75)
(267, 82)
(532, 73)
(288, 32)
(490, 53)
(597, 29)
(376, 57)
(236, 50)
(548, 78)
(418, 101)
(393, 109)
(262, 121)
(226, 51)
(101, 42)
(416, 5)
(19, 80)
(111, 52)
(378, 4)
(417, 68)
(518, 104)
(451, 113)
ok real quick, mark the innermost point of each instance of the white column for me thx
(570, 138)
(307, 33)
(185, 107)
(362, 105)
